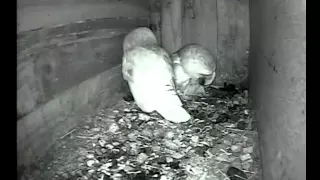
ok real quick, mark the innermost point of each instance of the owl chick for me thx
(194, 67)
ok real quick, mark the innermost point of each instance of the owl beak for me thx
(202, 81)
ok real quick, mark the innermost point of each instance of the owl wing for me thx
(152, 76)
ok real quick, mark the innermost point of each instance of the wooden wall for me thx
(233, 38)
(69, 65)
(33, 14)
(65, 73)
(52, 60)
(222, 26)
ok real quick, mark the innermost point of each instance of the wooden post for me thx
(171, 25)
(155, 18)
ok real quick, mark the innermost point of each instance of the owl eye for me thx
(129, 71)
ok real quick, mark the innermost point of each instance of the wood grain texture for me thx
(38, 130)
(155, 18)
(53, 60)
(171, 25)
(233, 39)
(33, 14)
(200, 24)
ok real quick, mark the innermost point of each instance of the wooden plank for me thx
(171, 25)
(233, 39)
(155, 18)
(46, 74)
(200, 23)
(51, 61)
(33, 14)
(77, 30)
(42, 127)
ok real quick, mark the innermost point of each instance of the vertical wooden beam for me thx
(171, 25)
(200, 24)
(155, 18)
(233, 39)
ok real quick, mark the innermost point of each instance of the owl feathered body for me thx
(193, 64)
(148, 69)
(138, 37)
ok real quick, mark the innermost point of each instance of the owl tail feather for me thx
(174, 113)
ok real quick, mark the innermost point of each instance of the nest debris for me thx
(123, 143)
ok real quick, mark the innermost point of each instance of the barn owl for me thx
(194, 67)
(148, 70)
(137, 37)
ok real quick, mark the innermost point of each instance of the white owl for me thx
(194, 67)
(137, 37)
(148, 69)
